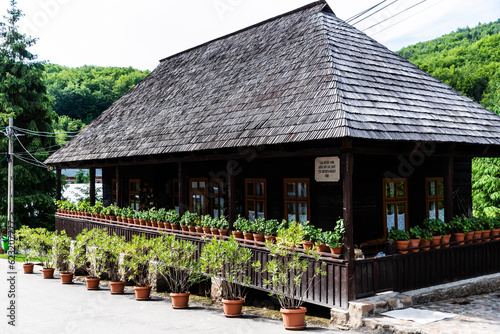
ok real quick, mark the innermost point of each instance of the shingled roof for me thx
(302, 76)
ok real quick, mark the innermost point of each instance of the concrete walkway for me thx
(47, 306)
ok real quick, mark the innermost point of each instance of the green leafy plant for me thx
(259, 226)
(312, 233)
(271, 227)
(244, 225)
(398, 235)
(172, 217)
(61, 251)
(26, 243)
(205, 221)
(138, 255)
(89, 251)
(175, 260)
(288, 266)
(229, 262)
(418, 232)
(436, 226)
(461, 224)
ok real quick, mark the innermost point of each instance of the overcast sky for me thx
(140, 33)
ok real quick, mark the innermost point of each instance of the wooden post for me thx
(448, 189)
(231, 195)
(347, 169)
(118, 187)
(92, 185)
(182, 189)
(58, 184)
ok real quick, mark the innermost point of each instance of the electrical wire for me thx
(35, 163)
(376, 24)
(364, 18)
(363, 12)
(19, 141)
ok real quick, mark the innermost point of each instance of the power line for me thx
(376, 24)
(374, 12)
(363, 12)
(35, 159)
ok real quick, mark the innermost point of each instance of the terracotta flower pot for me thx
(425, 243)
(214, 231)
(477, 234)
(142, 222)
(148, 223)
(92, 283)
(130, 220)
(436, 240)
(414, 243)
(224, 232)
(180, 300)
(206, 230)
(161, 225)
(28, 268)
(459, 237)
(402, 246)
(184, 229)
(192, 228)
(167, 226)
(270, 238)
(495, 234)
(117, 287)
(307, 244)
(322, 248)
(486, 234)
(142, 292)
(294, 319)
(468, 237)
(248, 236)
(67, 278)
(232, 308)
(238, 235)
(336, 250)
(258, 237)
(175, 227)
(445, 239)
(154, 224)
(198, 229)
(48, 272)
(119, 219)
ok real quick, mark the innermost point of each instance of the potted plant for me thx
(45, 242)
(26, 244)
(477, 228)
(486, 230)
(223, 226)
(112, 248)
(175, 260)
(437, 229)
(205, 222)
(259, 229)
(495, 230)
(214, 226)
(137, 259)
(311, 235)
(61, 246)
(172, 218)
(334, 239)
(238, 224)
(271, 230)
(401, 237)
(228, 263)
(416, 236)
(89, 253)
(289, 261)
(246, 227)
(461, 226)
(161, 218)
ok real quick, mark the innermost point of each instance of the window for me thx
(296, 200)
(217, 194)
(198, 196)
(255, 199)
(434, 195)
(395, 204)
(134, 189)
(114, 199)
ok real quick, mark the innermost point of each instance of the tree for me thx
(486, 187)
(23, 96)
(82, 176)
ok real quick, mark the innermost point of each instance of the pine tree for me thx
(23, 96)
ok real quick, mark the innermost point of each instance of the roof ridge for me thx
(310, 5)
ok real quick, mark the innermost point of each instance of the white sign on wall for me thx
(327, 169)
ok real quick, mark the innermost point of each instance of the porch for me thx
(393, 272)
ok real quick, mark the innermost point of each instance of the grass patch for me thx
(18, 257)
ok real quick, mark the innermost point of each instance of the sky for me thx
(140, 33)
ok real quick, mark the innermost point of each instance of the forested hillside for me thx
(469, 61)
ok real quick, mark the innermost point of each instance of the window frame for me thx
(215, 198)
(114, 197)
(433, 198)
(295, 199)
(255, 198)
(395, 200)
(134, 193)
(204, 193)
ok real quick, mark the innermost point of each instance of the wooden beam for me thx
(183, 207)
(118, 187)
(231, 195)
(347, 188)
(448, 188)
(92, 185)
(58, 184)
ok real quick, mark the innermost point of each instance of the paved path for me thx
(473, 314)
(47, 306)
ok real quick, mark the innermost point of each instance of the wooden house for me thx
(300, 117)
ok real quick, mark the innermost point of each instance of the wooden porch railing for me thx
(329, 290)
(426, 268)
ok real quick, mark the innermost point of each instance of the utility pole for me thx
(10, 177)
